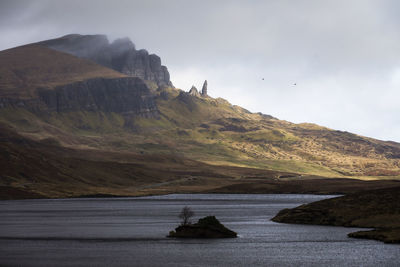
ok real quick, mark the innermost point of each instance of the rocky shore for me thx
(379, 209)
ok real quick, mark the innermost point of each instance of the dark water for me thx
(131, 232)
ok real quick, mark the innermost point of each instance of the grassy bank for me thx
(379, 209)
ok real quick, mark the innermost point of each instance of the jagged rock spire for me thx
(204, 89)
(194, 92)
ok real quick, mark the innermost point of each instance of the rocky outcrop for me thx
(204, 89)
(207, 227)
(120, 55)
(122, 95)
(29, 104)
(193, 92)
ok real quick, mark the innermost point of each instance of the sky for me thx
(335, 63)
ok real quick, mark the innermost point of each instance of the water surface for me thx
(132, 232)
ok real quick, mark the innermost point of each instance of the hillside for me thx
(37, 169)
(234, 135)
(82, 106)
(24, 69)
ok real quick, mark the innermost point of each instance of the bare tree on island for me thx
(185, 215)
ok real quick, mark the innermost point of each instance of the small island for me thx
(207, 227)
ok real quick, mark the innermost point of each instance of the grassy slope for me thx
(32, 169)
(25, 68)
(46, 169)
(371, 209)
(215, 132)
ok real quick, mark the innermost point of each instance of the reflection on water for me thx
(131, 232)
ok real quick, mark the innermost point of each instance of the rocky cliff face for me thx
(120, 55)
(128, 95)
(123, 95)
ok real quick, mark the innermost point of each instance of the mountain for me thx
(120, 55)
(40, 79)
(115, 105)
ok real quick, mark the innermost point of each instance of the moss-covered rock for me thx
(207, 227)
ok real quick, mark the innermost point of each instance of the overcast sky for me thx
(335, 63)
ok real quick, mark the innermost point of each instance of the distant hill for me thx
(124, 106)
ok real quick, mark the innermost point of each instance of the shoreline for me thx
(378, 209)
(207, 185)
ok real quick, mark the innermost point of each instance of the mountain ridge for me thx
(120, 55)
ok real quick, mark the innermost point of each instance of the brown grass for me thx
(25, 68)
(33, 169)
